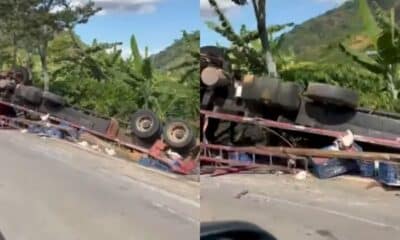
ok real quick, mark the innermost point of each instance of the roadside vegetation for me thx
(40, 35)
(369, 54)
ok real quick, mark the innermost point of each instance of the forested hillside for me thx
(318, 38)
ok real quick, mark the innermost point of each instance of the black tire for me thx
(178, 135)
(29, 94)
(54, 99)
(330, 94)
(145, 124)
(288, 96)
(24, 75)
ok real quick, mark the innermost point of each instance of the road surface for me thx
(51, 190)
(303, 210)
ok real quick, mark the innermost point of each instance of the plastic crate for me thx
(153, 163)
(327, 168)
(334, 167)
(241, 157)
(367, 168)
(389, 174)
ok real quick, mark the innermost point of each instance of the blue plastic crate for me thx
(334, 167)
(367, 169)
(389, 174)
(241, 157)
(153, 163)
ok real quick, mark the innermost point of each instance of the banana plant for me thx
(386, 61)
(142, 72)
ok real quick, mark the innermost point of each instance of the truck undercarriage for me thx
(246, 110)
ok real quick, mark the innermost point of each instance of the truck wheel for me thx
(145, 124)
(326, 93)
(53, 98)
(288, 97)
(24, 75)
(178, 135)
(30, 94)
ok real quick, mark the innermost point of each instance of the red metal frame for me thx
(392, 143)
(214, 154)
(177, 166)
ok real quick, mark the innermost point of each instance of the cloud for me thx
(137, 6)
(337, 2)
(207, 11)
(132, 6)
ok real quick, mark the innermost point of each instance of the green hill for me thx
(175, 54)
(317, 39)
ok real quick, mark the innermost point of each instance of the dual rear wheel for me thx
(177, 134)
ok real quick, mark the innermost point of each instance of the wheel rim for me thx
(144, 124)
(178, 133)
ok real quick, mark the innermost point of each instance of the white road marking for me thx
(173, 212)
(163, 192)
(325, 210)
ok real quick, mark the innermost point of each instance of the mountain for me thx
(174, 54)
(317, 39)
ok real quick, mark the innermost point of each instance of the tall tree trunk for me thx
(14, 49)
(43, 61)
(260, 12)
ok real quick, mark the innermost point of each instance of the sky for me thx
(278, 12)
(155, 23)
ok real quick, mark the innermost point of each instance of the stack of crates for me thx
(389, 174)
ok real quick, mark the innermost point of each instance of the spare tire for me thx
(29, 94)
(53, 98)
(331, 94)
(145, 124)
(288, 96)
(178, 135)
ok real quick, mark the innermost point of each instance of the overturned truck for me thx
(246, 110)
(20, 101)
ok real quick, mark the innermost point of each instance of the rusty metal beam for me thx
(392, 143)
(308, 152)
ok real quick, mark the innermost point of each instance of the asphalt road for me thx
(303, 210)
(50, 191)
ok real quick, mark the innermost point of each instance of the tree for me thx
(386, 61)
(259, 7)
(52, 17)
(260, 60)
(14, 16)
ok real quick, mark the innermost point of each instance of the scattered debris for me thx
(45, 118)
(83, 144)
(174, 155)
(95, 147)
(110, 151)
(241, 194)
(302, 175)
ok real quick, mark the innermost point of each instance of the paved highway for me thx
(50, 190)
(303, 210)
